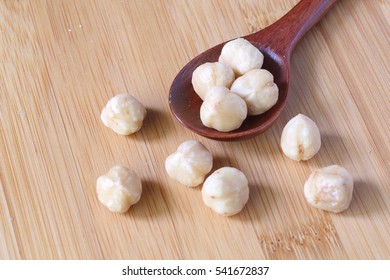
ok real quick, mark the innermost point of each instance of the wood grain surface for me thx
(61, 60)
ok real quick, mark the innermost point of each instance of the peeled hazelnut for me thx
(301, 138)
(190, 163)
(124, 114)
(119, 189)
(226, 191)
(211, 74)
(222, 109)
(241, 55)
(329, 189)
(258, 89)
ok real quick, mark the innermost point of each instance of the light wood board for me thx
(60, 61)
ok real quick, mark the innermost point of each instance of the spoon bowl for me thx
(276, 42)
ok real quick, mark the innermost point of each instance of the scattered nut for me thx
(226, 191)
(258, 89)
(222, 110)
(241, 55)
(190, 163)
(301, 138)
(119, 189)
(329, 189)
(211, 74)
(123, 114)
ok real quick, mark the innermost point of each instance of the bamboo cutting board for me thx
(61, 60)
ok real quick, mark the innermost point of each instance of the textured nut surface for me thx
(124, 114)
(222, 110)
(190, 163)
(119, 189)
(241, 56)
(258, 89)
(211, 74)
(301, 138)
(226, 191)
(329, 189)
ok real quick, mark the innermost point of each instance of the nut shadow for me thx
(153, 202)
(333, 150)
(366, 200)
(156, 126)
(258, 205)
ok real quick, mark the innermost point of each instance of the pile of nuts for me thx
(121, 188)
(225, 191)
(231, 88)
(234, 87)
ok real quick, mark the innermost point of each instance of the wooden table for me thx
(61, 60)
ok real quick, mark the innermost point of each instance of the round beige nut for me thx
(329, 189)
(124, 114)
(211, 74)
(241, 56)
(190, 163)
(226, 191)
(119, 189)
(258, 89)
(223, 110)
(301, 138)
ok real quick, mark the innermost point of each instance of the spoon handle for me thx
(283, 35)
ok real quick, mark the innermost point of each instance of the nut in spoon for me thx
(276, 42)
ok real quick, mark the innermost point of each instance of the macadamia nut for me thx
(190, 163)
(301, 138)
(119, 189)
(258, 89)
(223, 110)
(124, 114)
(226, 191)
(211, 74)
(241, 55)
(329, 189)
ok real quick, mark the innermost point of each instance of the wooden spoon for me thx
(276, 42)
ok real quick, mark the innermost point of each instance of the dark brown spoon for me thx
(276, 42)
